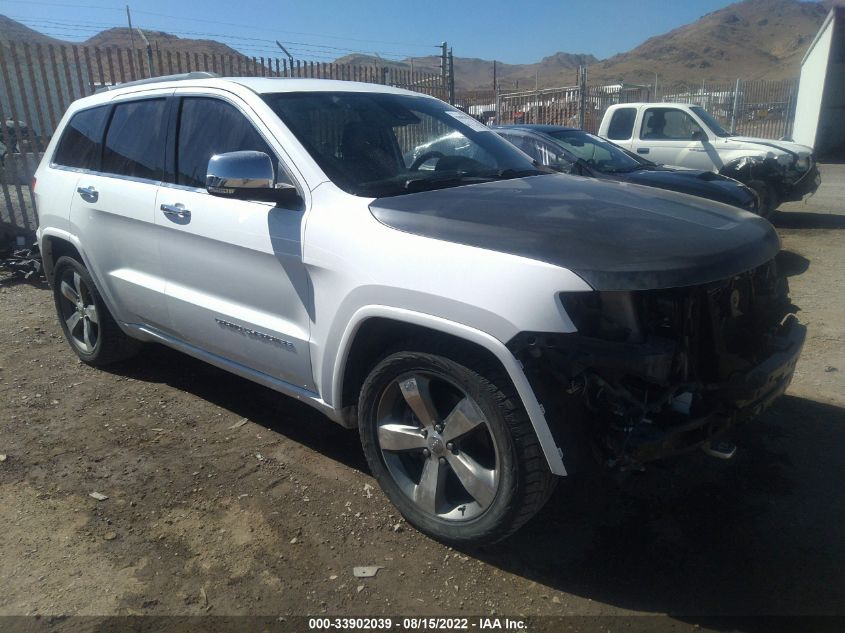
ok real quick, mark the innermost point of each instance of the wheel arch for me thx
(375, 329)
(54, 245)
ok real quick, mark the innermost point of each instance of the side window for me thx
(621, 126)
(522, 142)
(668, 124)
(82, 139)
(208, 127)
(135, 140)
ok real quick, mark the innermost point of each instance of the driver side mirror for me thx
(698, 135)
(247, 175)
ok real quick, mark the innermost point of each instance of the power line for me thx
(91, 27)
(246, 26)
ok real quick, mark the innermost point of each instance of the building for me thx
(820, 107)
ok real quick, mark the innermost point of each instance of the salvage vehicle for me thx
(573, 151)
(686, 135)
(461, 318)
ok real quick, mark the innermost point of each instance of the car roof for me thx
(536, 127)
(661, 104)
(258, 85)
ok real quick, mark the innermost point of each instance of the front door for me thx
(236, 285)
(670, 136)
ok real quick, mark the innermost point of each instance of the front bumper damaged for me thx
(665, 372)
(742, 398)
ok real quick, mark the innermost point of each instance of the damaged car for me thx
(686, 135)
(573, 151)
(486, 325)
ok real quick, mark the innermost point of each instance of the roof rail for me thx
(197, 74)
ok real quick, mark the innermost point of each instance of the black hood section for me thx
(615, 236)
(704, 184)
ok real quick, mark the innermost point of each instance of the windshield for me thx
(710, 121)
(377, 144)
(598, 153)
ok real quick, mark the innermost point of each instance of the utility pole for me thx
(451, 78)
(285, 51)
(131, 38)
(444, 60)
(495, 84)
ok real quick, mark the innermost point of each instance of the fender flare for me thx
(512, 366)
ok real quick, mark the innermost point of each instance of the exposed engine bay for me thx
(664, 371)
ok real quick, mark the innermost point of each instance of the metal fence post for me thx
(736, 103)
(582, 97)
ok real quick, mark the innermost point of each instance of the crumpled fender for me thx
(747, 168)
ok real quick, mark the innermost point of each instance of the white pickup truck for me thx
(686, 135)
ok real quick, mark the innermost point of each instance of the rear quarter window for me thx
(81, 141)
(621, 126)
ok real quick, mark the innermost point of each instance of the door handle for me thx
(89, 194)
(177, 210)
(642, 150)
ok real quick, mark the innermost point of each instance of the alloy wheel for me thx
(79, 311)
(438, 446)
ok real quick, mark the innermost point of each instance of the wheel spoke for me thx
(86, 333)
(72, 321)
(400, 437)
(428, 494)
(69, 293)
(478, 481)
(465, 417)
(91, 313)
(77, 283)
(415, 390)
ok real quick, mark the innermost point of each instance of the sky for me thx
(515, 32)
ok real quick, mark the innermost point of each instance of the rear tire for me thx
(452, 447)
(87, 324)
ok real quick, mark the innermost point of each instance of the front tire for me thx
(452, 447)
(87, 324)
(767, 197)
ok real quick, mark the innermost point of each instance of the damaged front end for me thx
(665, 371)
(791, 178)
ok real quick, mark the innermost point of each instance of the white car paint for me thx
(309, 278)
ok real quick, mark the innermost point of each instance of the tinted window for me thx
(379, 144)
(208, 127)
(135, 140)
(621, 124)
(668, 124)
(82, 138)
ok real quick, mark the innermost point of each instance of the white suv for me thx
(390, 261)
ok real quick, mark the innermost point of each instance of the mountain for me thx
(473, 73)
(12, 31)
(119, 37)
(754, 39)
(750, 39)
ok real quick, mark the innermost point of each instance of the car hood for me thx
(695, 182)
(615, 236)
(767, 144)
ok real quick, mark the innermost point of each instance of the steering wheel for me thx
(425, 157)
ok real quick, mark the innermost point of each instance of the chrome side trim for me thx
(151, 334)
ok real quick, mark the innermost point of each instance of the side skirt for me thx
(147, 333)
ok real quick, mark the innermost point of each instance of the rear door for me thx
(670, 136)
(113, 210)
(236, 285)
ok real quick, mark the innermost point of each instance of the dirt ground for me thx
(206, 515)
